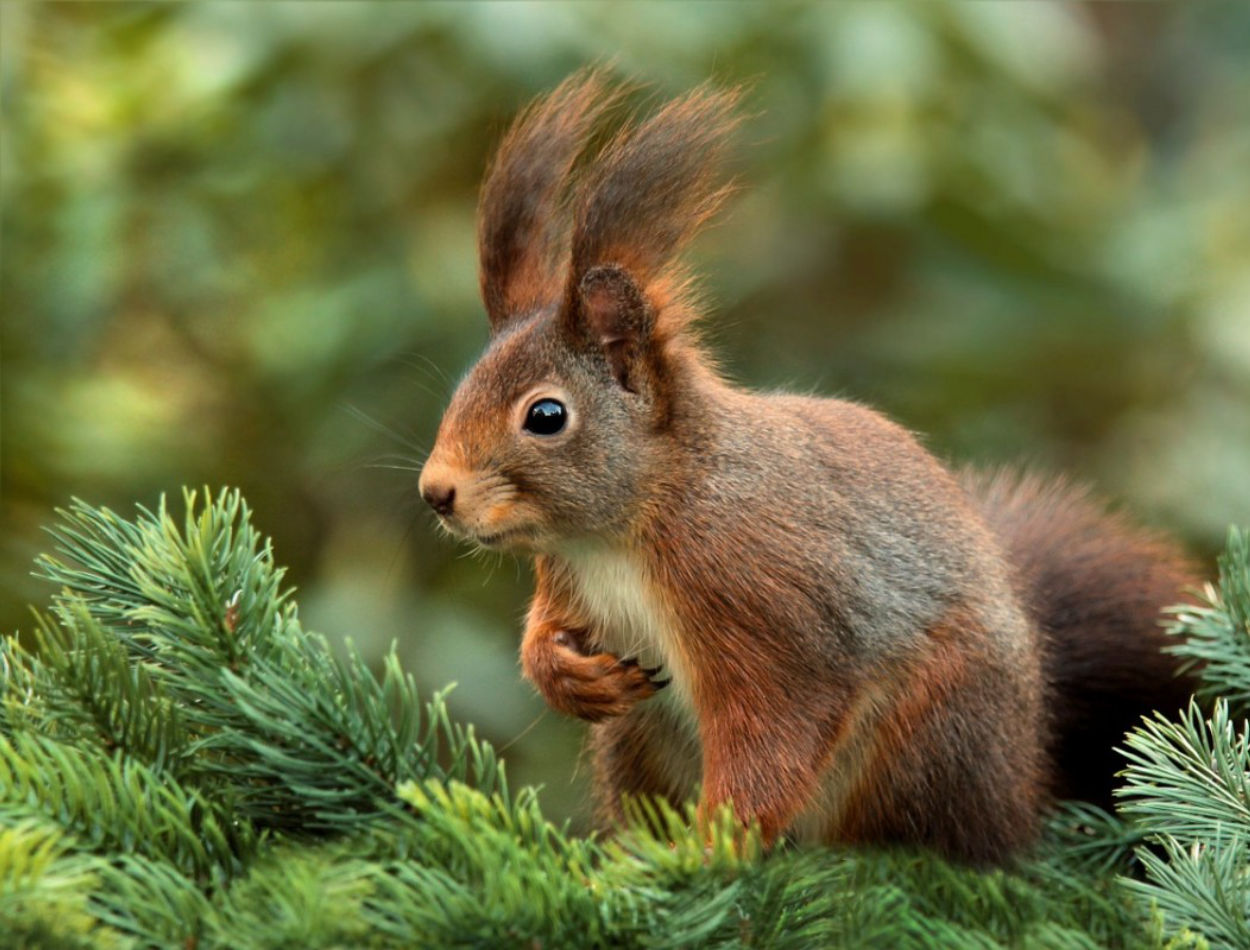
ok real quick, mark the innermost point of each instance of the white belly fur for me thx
(630, 620)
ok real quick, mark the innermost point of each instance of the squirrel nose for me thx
(442, 498)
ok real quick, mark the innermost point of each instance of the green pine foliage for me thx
(1188, 785)
(182, 764)
(1214, 636)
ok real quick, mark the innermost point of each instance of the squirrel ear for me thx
(615, 314)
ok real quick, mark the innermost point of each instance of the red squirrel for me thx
(781, 600)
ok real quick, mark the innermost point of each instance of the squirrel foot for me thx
(595, 687)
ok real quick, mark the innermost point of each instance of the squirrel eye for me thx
(546, 417)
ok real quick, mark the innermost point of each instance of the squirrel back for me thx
(856, 647)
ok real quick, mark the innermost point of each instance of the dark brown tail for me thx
(1095, 585)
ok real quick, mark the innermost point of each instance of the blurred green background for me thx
(238, 249)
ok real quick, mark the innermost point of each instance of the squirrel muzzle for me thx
(478, 506)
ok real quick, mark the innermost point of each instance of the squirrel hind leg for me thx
(1095, 585)
(958, 765)
(645, 753)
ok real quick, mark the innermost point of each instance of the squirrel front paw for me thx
(594, 687)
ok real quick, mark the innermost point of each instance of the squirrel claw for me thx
(660, 684)
(593, 687)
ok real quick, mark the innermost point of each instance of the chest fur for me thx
(627, 612)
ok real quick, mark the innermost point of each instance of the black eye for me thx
(546, 417)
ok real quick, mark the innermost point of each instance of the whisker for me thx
(523, 733)
(439, 397)
(394, 457)
(426, 363)
(378, 426)
(394, 467)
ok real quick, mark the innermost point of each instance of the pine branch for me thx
(117, 806)
(300, 739)
(1189, 779)
(1203, 888)
(154, 903)
(44, 891)
(1214, 637)
(1188, 788)
(93, 692)
(297, 897)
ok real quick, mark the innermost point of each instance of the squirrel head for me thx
(558, 430)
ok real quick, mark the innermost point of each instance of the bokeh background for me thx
(238, 249)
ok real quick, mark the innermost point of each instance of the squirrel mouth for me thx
(499, 538)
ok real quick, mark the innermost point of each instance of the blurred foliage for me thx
(238, 249)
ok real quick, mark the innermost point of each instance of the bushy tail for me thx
(1095, 585)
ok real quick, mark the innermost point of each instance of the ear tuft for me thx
(616, 314)
(649, 190)
(522, 225)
